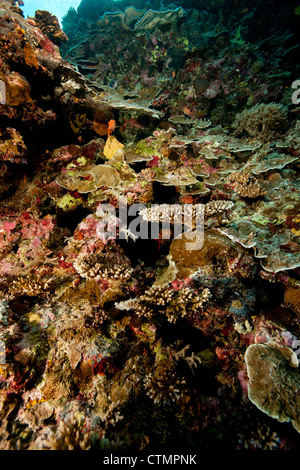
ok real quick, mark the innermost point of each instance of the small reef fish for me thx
(111, 127)
(187, 112)
(105, 129)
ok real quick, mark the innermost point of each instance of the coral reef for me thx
(244, 187)
(49, 26)
(149, 231)
(278, 396)
(261, 119)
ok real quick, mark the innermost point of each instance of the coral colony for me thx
(150, 224)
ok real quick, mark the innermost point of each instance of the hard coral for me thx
(49, 26)
(67, 435)
(164, 300)
(261, 119)
(164, 386)
(273, 384)
(245, 187)
(103, 265)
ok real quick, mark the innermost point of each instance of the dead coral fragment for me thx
(261, 119)
(192, 361)
(244, 187)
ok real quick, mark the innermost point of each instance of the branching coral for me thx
(261, 119)
(245, 187)
(164, 300)
(164, 386)
(67, 435)
(102, 265)
(31, 286)
(187, 213)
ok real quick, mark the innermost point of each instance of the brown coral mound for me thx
(215, 254)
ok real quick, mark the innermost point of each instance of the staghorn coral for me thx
(261, 119)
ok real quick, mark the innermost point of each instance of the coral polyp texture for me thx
(149, 229)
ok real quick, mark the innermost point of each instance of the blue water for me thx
(57, 7)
